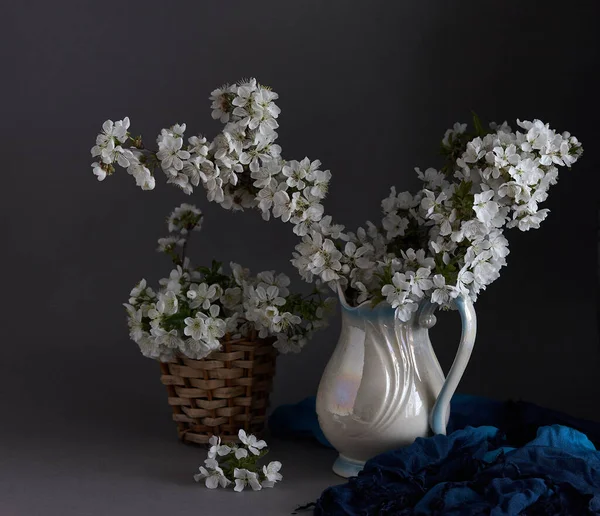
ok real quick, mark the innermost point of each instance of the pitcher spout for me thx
(365, 308)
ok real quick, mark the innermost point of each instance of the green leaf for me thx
(477, 124)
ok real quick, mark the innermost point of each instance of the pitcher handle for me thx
(467, 340)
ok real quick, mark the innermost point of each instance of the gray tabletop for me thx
(150, 474)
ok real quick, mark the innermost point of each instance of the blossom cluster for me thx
(195, 308)
(445, 240)
(233, 464)
(241, 168)
(111, 148)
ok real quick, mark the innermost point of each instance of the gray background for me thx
(366, 87)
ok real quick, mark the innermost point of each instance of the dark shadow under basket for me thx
(222, 393)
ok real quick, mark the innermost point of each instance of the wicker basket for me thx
(222, 393)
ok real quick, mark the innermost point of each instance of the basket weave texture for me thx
(222, 393)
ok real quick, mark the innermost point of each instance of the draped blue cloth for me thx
(499, 458)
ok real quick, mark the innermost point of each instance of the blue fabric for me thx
(298, 420)
(518, 419)
(499, 458)
(475, 471)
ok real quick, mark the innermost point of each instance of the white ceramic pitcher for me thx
(383, 386)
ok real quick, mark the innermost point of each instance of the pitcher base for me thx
(346, 467)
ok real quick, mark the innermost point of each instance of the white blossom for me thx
(198, 146)
(320, 183)
(99, 172)
(357, 258)
(327, 261)
(397, 293)
(214, 326)
(112, 134)
(194, 328)
(203, 295)
(173, 282)
(171, 154)
(221, 104)
(241, 453)
(254, 445)
(432, 179)
(138, 290)
(271, 474)
(451, 134)
(244, 478)
(169, 339)
(231, 297)
(404, 311)
(414, 259)
(285, 344)
(295, 174)
(216, 448)
(440, 294)
(135, 322)
(167, 303)
(485, 207)
(395, 225)
(143, 177)
(184, 217)
(419, 281)
(116, 154)
(169, 242)
(363, 293)
(212, 475)
(431, 203)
